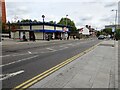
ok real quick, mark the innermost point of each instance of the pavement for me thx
(97, 68)
(13, 42)
(6, 42)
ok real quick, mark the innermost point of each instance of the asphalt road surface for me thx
(23, 62)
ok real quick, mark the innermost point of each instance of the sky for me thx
(96, 13)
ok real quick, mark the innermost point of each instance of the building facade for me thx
(39, 31)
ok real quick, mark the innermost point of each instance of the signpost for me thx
(113, 30)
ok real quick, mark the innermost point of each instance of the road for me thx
(23, 62)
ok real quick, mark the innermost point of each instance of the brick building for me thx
(3, 11)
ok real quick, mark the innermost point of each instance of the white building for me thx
(85, 31)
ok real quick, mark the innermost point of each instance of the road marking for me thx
(51, 49)
(19, 61)
(17, 54)
(63, 48)
(29, 52)
(5, 56)
(6, 76)
(37, 78)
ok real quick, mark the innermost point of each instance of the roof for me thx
(40, 23)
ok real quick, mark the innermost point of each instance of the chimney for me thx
(3, 11)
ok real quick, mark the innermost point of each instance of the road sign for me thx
(113, 29)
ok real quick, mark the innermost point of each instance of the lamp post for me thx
(66, 20)
(9, 29)
(115, 24)
(43, 16)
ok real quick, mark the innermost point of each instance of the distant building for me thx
(85, 31)
(110, 26)
(30, 29)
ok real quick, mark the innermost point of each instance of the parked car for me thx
(101, 37)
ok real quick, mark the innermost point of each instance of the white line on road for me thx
(6, 76)
(5, 56)
(17, 54)
(63, 48)
(51, 49)
(19, 61)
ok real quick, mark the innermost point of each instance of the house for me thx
(85, 31)
(39, 30)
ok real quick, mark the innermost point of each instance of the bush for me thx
(117, 34)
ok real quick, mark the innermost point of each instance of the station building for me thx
(39, 30)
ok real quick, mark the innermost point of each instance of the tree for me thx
(70, 23)
(117, 34)
(26, 20)
(52, 22)
(108, 31)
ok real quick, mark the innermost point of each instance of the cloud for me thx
(82, 12)
(111, 4)
(87, 18)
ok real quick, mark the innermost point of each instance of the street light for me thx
(66, 20)
(43, 16)
(9, 29)
(115, 16)
(115, 24)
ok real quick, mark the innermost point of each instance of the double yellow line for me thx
(37, 78)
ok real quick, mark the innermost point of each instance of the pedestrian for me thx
(34, 38)
(24, 38)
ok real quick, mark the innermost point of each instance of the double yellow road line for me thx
(39, 77)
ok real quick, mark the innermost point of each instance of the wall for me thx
(38, 35)
(15, 35)
(37, 27)
(85, 31)
(49, 27)
(59, 28)
(25, 27)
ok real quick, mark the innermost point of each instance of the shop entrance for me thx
(32, 36)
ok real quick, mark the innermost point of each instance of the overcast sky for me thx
(96, 13)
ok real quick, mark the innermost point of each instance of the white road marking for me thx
(17, 54)
(19, 61)
(51, 49)
(29, 52)
(5, 56)
(6, 76)
(20, 54)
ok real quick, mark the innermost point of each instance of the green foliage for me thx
(4, 30)
(52, 22)
(108, 31)
(117, 34)
(26, 20)
(70, 23)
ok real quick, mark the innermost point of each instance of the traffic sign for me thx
(113, 29)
